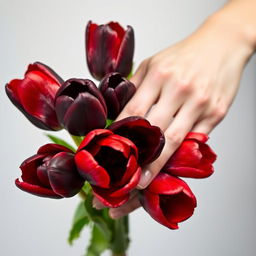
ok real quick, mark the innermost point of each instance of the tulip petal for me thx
(62, 104)
(52, 148)
(133, 182)
(29, 169)
(166, 184)
(36, 190)
(105, 198)
(93, 136)
(63, 175)
(125, 53)
(202, 137)
(91, 170)
(112, 103)
(80, 119)
(190, 172)
(151, 203)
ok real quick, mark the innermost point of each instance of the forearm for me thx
(241, 16)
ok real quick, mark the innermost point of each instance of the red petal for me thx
(116, 144)
(202, 137)
(36, 190)
(190, 172)
(95, 134)
(91, 170)
(151, 204)
(51, 149)
(109, 201)
(129, 186)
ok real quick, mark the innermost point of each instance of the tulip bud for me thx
(109, 48)
(80, 107)
(34, 95)
(50, 173)
(109, 163)
(168, 200)
(116, 91)
(148, 139)
(193, 159)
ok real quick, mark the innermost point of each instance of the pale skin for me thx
(190, 86)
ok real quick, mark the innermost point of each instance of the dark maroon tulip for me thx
(109, 163)
(168, 200)
(148, 139)
(50, 173)
(109, 48)
(34, 95)
(193, 159)
(80, 107)
(116, 91)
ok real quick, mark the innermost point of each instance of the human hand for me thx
(186, 87)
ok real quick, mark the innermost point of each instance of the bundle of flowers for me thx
(109, 155)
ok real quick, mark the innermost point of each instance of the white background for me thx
(52, 31)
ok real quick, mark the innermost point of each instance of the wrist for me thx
(237, 18)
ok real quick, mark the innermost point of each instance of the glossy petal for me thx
(34, 95)
(52, 148)
(93, 136)
(36, 190)
(63, 175)
(89, 169)
(202, 137)
(107, 200)
(151, 203)
(125, 54)
(148, 139)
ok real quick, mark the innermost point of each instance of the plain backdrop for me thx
(52, 31)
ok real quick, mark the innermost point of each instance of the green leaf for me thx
(98, 243)
(60, 141)
(131, 73)
(108, 123)
(101, 220)
(77, 139)
(79, 221)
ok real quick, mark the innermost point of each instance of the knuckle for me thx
(218, 113)
(183, 87)
(134, 109)
(174, 139)
(202, 99)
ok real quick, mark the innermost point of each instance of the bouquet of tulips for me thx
(109, 155)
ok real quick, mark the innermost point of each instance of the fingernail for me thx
(145, 179)
(96, 205)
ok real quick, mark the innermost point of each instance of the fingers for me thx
(126, 208)
(140, 73)
(97, 204)
(174, 135)
(148, 91)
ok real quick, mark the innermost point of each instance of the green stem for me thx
(120, 237)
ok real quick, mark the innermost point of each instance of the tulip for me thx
(116, 91)
(50, 173)
(193, 159)
(148, 139)
(109, 48)
(34, 95)
(80, 107)
(109, 163)
(168, 200)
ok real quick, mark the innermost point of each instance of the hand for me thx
(187, 87)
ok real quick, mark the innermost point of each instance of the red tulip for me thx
(116, 91)
(168, 200)
(80, 107)
(109, 163)
(148, 139)
(193, 159)
(50, 173)
(34, 95)
(109, 48)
